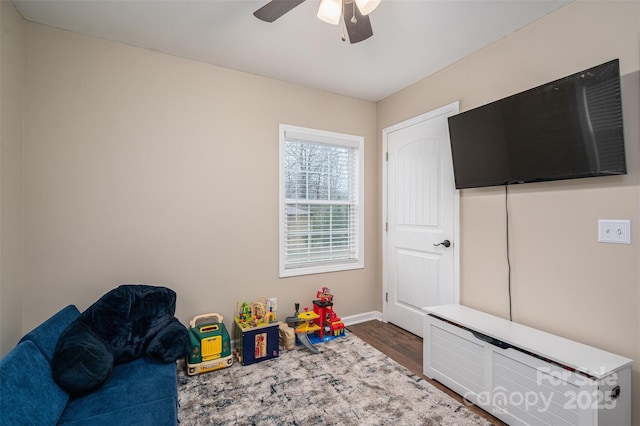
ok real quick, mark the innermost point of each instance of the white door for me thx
(420, 256)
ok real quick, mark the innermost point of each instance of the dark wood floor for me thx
(406, 349)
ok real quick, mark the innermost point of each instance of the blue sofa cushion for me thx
(153, 413)
(129, 316)
(82, 360)
(132, 386)
(46, 335)
(170, 344)
(28, 394)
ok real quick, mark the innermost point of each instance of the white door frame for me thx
(446, 110)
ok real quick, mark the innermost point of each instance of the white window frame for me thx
(288, 132)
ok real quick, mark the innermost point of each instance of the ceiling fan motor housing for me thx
(357, 24)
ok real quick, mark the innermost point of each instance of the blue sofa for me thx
(141, 391)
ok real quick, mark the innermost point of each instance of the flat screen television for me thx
(568, 128)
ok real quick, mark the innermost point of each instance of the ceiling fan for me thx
(355, 13)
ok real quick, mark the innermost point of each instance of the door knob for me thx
(445, 243)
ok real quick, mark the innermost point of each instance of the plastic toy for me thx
(328, 321)
(260, 312)
(210, 344)
(319, 325)
(303, 324)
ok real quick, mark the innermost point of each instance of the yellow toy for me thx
(304, 323)
(307, 324)
(210, 344)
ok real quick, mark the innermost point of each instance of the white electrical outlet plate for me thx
(614, 231)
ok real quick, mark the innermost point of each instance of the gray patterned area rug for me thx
(349, 383)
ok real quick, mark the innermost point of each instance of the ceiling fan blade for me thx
(359, 31)
(275, 9)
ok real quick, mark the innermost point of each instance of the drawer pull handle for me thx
(615, 392)
(491, 340)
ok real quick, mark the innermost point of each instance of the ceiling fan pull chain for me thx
(344, 24)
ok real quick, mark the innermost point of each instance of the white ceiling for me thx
(412, 38)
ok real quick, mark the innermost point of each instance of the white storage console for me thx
(524, 376)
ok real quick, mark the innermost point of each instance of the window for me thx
(321, 214)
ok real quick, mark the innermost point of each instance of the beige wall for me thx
(12, 71)
(141, 167)
(563, 280)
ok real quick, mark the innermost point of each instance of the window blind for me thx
(321, 201)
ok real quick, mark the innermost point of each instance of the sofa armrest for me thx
(46, 335)
(29, 394)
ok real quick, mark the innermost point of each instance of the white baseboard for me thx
(358, 318)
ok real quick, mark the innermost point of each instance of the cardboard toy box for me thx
(255, 343)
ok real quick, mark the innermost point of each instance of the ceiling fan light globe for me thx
(367, 6)
(330, 11)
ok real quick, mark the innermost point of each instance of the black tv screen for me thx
(565, 129)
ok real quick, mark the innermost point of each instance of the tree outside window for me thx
(321, 187)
